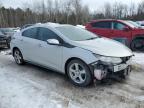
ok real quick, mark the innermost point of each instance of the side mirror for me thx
(126, 28)
(53, 42)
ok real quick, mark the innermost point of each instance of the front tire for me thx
(79, 73)
(18, 57)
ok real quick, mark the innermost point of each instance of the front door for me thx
(48, 55)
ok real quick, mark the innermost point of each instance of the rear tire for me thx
(137, 44)
(79, 73)
(18, 57)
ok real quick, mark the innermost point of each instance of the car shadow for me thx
(64, 81)
(3, 49)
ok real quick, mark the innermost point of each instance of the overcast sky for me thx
(93, 4)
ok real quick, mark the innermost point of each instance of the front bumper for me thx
(101, 70)
(3, 43)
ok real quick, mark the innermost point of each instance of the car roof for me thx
(106, 20)
(52, 25)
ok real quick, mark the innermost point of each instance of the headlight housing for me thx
(108, 60)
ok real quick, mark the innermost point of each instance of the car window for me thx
(118, 26)
(45, 34)
(31, 33)
(102, 24)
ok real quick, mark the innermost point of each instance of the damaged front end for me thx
(102, 70)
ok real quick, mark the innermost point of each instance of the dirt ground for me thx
(30, 86)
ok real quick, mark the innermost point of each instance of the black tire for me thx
(21, 60)
(137, 44)
(8, 42)
(88, 76)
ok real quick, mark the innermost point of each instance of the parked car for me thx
(7, 31)
(135, 24)
(81, 26)
(127, 32)
(78, 53)
(4, 40)
(26, 25)
(16, 29)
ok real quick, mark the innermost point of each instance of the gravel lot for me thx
(30, 86)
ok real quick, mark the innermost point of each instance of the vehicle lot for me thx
(29, 86)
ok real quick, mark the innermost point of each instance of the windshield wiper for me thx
(92, 38)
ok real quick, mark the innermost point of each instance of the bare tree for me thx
(108, 10)
(68, 6)
(85, 14)
(68, 11)
(132, 9)
(77, 10)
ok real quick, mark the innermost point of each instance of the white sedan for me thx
(78, 53)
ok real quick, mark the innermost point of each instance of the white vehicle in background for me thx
(141, 23)
(17, 29)
(81, 26)
(78, 53)
(7, 31)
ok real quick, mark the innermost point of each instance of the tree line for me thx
(67, 11)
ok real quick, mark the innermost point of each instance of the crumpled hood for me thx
(105, 47)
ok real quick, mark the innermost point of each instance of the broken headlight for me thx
(108, 60)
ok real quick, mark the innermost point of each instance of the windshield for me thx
(132, 24)
(75, 33)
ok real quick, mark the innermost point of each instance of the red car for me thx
(127, 32)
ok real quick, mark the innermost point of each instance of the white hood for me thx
(105, 47)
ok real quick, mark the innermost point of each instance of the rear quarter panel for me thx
(15, 41)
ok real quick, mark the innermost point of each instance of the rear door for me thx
(102, 28)
(119, 32)
(28, 44)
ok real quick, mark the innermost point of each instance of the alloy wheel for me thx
(17, 57)
(77, 73)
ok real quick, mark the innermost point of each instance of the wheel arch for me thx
(136, 37)
(73, 58)
(14, 48)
